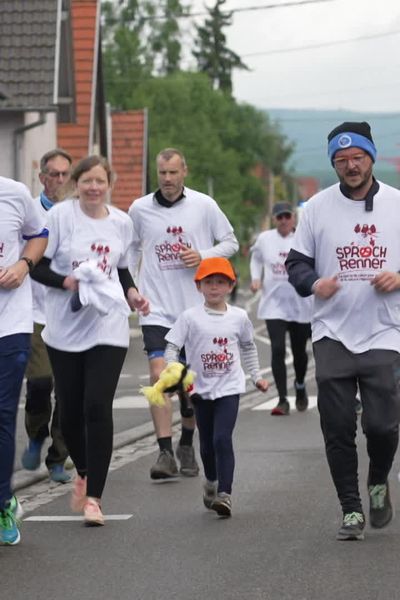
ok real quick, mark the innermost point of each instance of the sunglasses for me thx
(287, 215)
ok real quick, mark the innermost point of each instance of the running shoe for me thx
(189, 466)
(352, 527)
(9, 532)
(16, 509)
(31, 456)
(209, 493)
(92, 514)
(301, 397)
(78, 496)
(222, 505)
(58, 474)
(282, 408)
(380, 506)
(165, 466)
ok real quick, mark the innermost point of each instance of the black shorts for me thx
(155, 343)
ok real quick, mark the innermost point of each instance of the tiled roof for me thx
(28, 30)
(129, 156)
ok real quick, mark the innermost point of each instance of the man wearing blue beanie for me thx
(346, 251)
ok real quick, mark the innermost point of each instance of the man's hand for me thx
(190, 257)
(386, 282)
(326, 287)
(138, 302)
(12, 277)
(255, 285)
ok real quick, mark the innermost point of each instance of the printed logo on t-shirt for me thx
(278, 268)
(99, 252)
(1, 249)
(168, 251)
(360, 259)
(219, 360)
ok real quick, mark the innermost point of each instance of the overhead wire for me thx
(323, 44)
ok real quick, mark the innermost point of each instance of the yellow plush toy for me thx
(175, 377)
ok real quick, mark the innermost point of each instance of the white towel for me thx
(98, 290)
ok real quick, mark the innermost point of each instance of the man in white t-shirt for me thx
(281, 307)
(20, 220)
(174, 229)
(346, 251)
(55, 171)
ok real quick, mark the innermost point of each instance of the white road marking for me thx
(133, 402)
(130, 402)
(312, 402)
(46, 519)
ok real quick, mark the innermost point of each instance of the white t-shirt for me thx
(354, 245)
(74, 238)
(196, 221)
(212, 348)
(38, 289)
(19, 216)
(279, 299)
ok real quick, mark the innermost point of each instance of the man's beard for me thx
(357, 186)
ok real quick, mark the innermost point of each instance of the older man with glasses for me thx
(346, 252)
(55, 171)
(281, 307)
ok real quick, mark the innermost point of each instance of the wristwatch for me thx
(29, 262)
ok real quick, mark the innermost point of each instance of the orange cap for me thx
(215, 266)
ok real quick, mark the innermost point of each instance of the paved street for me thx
(279, 544)
(160, 543)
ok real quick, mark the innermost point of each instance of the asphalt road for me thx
(279, 544)
(160, 543)
(130, 407)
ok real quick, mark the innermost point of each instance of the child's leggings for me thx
(215, 421)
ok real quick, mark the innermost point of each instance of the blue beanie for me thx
(351, 135)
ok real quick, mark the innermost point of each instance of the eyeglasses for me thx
(342, 162)
(284, 216)
(57, 174)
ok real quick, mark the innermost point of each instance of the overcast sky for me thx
(363, 74)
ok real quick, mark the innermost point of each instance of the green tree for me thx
(126, 58)
(165, 35)
(211, 52)
(142, 39)
(222, 142)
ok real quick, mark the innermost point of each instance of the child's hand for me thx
(262, 385)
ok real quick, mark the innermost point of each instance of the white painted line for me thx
(130, 402)
(133, 402)
(312, 403)
(69, 518)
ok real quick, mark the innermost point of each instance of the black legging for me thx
(86, 382)
(298, 333)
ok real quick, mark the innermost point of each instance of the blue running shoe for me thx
(58, 474)
(9, 532)
(31, 457)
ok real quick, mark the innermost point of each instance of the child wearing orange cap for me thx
(214, 336)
